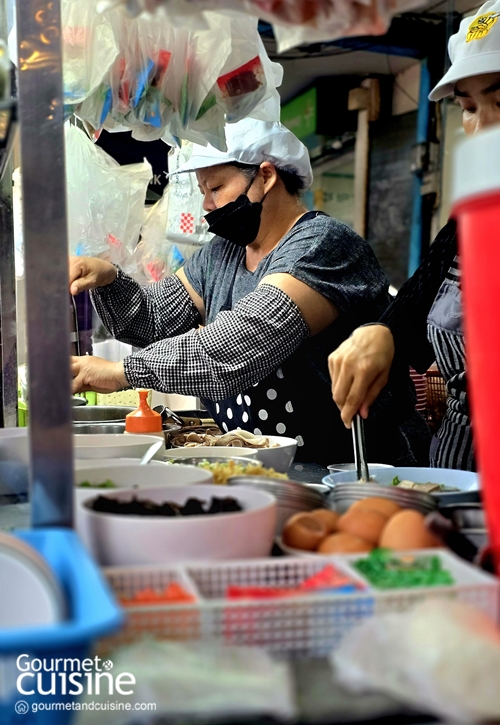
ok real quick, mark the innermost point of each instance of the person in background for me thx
(424, 323)
(247, 323)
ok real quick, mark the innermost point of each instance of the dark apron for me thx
(451, 446)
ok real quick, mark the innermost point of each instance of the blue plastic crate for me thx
(93, 612)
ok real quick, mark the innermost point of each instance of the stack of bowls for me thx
(292, 497)
(345, 494)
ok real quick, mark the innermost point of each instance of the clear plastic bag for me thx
(186, 217)
(294, 21)
(177, 83)
(105, 200)
(175, 227)
(153, 244)
(443, 657)
(89, 48)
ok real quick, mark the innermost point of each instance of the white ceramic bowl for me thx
(466, 481)
(336, 467)
(80, 463)
(122, 540)
(281, 457)
(211, 451)
(14, 445)
(102, 445)
(302, 553)
(134, 476)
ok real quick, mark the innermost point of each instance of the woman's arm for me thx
(239, 348)
(144, 315)
(361, 366)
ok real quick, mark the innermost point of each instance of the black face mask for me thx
(238, 221)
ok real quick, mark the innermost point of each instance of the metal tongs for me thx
(358, 439)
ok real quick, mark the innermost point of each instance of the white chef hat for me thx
(251, 141)
(474, 50)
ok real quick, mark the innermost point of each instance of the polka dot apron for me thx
(264, 409)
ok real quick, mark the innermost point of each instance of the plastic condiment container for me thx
(476, 207)
(144, 420)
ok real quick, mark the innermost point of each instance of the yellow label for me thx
(481, 26)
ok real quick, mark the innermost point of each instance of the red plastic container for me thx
(477, 211)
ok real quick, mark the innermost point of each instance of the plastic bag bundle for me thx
(294, 21)
(176, 83)
(105, 201)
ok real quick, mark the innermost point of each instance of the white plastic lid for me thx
(30, 593)
(476, 167)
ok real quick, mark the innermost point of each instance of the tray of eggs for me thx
(368, 524)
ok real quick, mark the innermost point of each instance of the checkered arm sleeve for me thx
(239, 348)
(143, 315)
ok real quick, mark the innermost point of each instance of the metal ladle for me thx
(358, 439)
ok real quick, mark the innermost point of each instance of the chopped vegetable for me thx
(328, 579)
(385, 570)
(105, 484)
(396, 481)
(173, 593)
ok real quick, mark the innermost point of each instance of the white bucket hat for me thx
(252, 142)
(474, 50)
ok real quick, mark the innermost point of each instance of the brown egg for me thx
(328, 517)
(383, 505)
(343, 544)
(406, 530)
(365, 523)
(304, 532)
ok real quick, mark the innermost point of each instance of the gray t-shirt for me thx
(319, 251)
(295, 400)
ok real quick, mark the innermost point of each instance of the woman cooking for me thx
(424, 323)
(247, 323)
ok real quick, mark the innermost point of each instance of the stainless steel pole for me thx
(8, 338)
(46, 260)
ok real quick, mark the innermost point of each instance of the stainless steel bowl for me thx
(93, 428)
(101, 413)
(77, 402)
(292, 497)
(345, 494)
(196, 460)
(469, 519)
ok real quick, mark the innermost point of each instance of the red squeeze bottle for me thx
(476, 207)
(143, 420)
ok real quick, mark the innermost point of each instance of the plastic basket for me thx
(93, 613)
(436, 397)
(472, 585)
(306, 625)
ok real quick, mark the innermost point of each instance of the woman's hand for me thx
(97, 374)
(89, 273)
(359, 369)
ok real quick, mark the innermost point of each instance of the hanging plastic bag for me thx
(294, 21)
(89, 48)
(242, 84)
(153, 242)
(186, 217)
(105, 200)
(183, 83)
